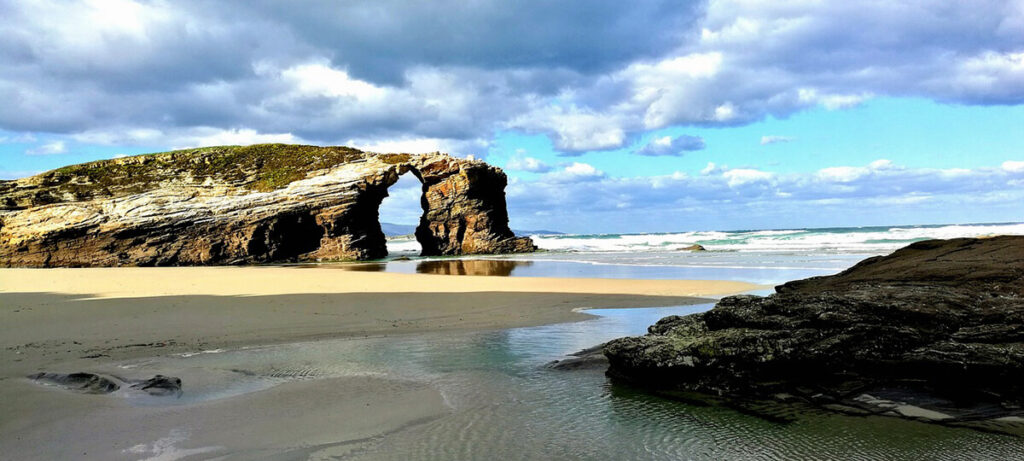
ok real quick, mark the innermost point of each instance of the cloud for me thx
(711, 168)
(572, 173)
(590, 75)
(202, 136)
(667, 145)
(527, 164)
(583, 170)
(840, 195)
(742, 176)
(19, 138)
(774, 139)
(574, 131)
(50, 148)
(1013, 166)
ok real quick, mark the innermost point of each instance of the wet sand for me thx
(67, 320)
(50, 315)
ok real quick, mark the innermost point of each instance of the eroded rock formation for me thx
(933, 331)
(251, 204)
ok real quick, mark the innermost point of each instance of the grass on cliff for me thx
(261, 167)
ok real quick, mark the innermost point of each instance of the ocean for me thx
(757, 256)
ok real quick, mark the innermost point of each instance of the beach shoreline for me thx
(49, 316)
(71, 320)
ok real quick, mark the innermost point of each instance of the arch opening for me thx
(400, 212)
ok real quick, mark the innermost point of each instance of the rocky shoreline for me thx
(934, 332)
(263, 203)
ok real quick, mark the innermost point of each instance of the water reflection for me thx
(506, 405)
(497, 267)
(767, 275)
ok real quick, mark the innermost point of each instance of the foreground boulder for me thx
(934, 331)
(249, 204)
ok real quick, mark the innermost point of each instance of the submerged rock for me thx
(87, 383)
(249, 204)
(589, 358)
(160, 385)
(90, 383)
(935, 329)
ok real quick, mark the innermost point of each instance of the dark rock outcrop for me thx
(91, 383)
(250, 204)
(591, 357)
(933, 331)
(86, 383)
(159, 385)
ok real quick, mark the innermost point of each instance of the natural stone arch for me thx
(463, 205)
(249, 204)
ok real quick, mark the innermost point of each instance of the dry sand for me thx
(66, 320)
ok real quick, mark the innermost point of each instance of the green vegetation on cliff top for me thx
(261, 167)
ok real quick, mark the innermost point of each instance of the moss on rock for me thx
(260, 167)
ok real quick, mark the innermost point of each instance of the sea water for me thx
(756, 256)
(506, 404)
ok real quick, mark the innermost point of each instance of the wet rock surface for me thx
(86, 383)
(934, 331)
(589, 358)
(244, 205)
(91, 383)
(159, 385)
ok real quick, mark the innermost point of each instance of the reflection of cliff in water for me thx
(497, 267)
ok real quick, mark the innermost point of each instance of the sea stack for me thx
(933, 331)
(246, 204)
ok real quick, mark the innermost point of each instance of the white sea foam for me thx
(857, 240)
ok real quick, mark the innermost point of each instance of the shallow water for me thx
(744, 267)
(506, 405)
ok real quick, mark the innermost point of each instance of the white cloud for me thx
(755, 198)
(50, 148)
(571, 173)
(742, 176)
(456, 147)
(126, 72)
(319, 79)
(668, 145)
(574, 130)
(881, 164)
(774, 139)
(237, 136)
(203, 136)
(842, 173)
(1013, 166)
(711, 169)
(583, 170)
(18, 138)
(527, 164)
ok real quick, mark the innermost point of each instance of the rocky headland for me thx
(246, 204)
(934, 331)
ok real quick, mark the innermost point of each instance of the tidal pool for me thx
(504, 404)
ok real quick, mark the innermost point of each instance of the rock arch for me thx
(174, 209)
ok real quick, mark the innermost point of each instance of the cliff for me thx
(246, 204)
(934, 331)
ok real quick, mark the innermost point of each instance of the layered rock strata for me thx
(933, 331)
(250, 204)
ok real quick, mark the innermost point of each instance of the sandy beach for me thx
(68, 320)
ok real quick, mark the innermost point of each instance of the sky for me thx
(607, 116)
